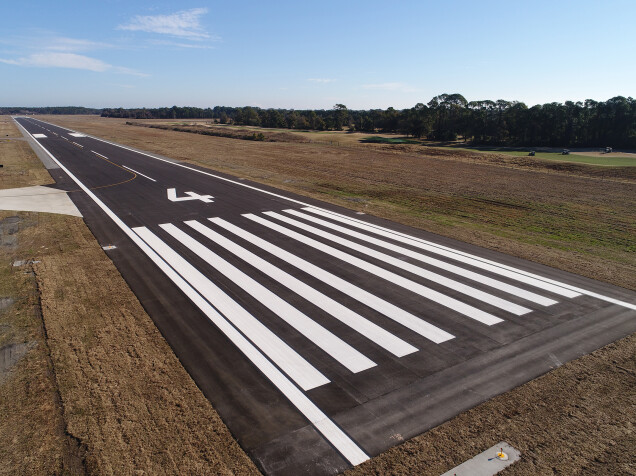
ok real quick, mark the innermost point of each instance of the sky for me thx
(313, 55)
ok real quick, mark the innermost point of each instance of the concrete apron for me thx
(38, 199)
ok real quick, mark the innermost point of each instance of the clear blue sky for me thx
(298, 54)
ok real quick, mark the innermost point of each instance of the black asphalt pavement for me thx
(323, 336)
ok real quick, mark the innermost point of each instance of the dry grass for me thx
(21, 168)
(577, 420)
(32, 439)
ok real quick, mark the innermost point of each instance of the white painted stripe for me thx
(305, 375)
(138, 173)
(577, 291)
(505, 287)
(78, 145)
(39, 136)
(341, 442)
(439, 298)
(472, 260)
(424, 273)
(321, 337)
(368, 329)
(102, 156)
(408, 320)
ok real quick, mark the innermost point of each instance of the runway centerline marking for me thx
(139, 173)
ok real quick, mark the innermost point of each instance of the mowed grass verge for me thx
(606, 159)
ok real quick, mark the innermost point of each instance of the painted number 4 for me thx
(172, 196)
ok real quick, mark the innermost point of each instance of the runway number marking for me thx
(172, 196)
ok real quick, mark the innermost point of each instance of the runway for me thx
(322, 336)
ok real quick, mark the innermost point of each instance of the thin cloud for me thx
(70, 45)
(176, 44)
(183, 24)
(321, 80)
(68, 60)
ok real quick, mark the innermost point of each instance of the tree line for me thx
(49, 110)
(446, 117)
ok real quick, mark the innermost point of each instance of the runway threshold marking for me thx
(344, 353)
(435, 296)
(406, 319)
(493, 283)
(355, 321)
(332, 433)
(424, 273)
(303, 373)
(521, 275)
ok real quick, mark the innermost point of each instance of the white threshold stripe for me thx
(368, 329)
(408, 320)
(138, 173)
(476, 261)
(341, 442)
(424, 273)
(303, 373)
(493, 283)
(344, 353)
(437, 297)
(518, 274)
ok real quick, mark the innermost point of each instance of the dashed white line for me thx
(340, 440)
(138, 173)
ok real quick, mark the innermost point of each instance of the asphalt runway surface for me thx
(320, 335)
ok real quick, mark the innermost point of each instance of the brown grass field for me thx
(128, 414)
